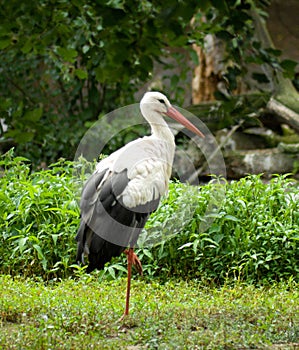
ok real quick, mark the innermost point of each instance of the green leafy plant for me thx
(38, 219)
(65, 63)
(245, 230)
(253, 236)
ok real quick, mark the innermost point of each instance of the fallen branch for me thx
(285, 114)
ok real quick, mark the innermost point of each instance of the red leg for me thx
(132, 260)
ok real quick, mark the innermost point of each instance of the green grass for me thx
(237, 245)
(83, 314)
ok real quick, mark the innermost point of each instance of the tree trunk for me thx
(208, 77)
(285, 99)
(207, 74)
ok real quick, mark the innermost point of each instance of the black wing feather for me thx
(107, 227)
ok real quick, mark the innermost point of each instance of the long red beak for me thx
(176, 115)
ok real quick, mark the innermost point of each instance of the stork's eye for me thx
(162, 101)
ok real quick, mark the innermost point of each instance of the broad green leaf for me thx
(81, 73)
(260, 77)
(289, 68)
(21, 159)
(27, 47)
(33, 115)
(148, 253)
(67, 54)
(116, 4)
(231, 218)
(55, 238)
(119, 267)
(23, 136)
(111, 271)
(4, 43)
(39, 251)
(194, 57)
(22, 242)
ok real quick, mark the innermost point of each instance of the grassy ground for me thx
(83, 314)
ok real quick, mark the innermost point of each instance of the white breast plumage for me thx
(148, 162)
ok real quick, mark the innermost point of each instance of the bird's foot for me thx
(135, 261)
(122, 318)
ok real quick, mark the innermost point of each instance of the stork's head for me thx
(154, 105)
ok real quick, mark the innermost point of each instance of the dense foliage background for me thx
(65, 63)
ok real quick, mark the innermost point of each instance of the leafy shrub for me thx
(39, 216)
(63, 63)
(247, 229)
(254, 235)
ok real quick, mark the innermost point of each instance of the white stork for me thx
(126, 188)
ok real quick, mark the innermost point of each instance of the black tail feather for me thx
(101, 252)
